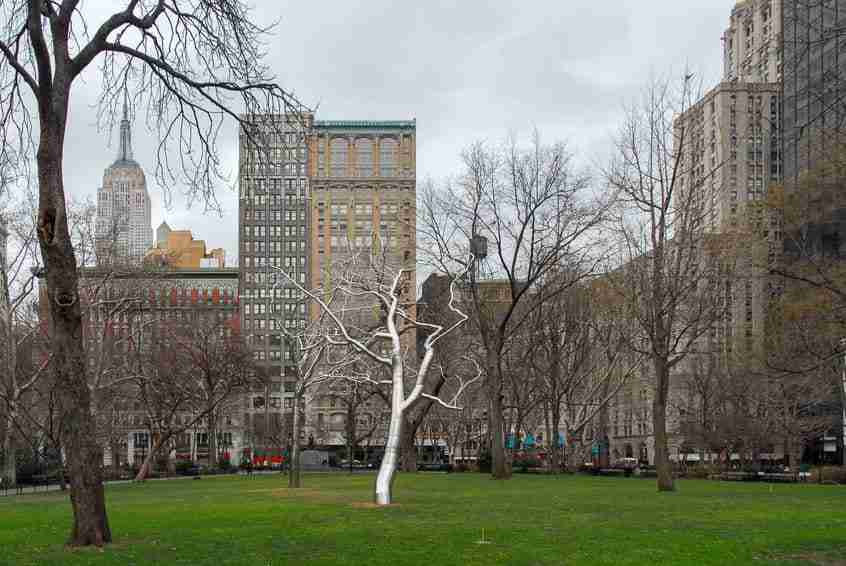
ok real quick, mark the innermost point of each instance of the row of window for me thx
(263, 308)
(273, 324)
(359, 154)
(275, 402)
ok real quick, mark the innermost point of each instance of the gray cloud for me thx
(466, 70)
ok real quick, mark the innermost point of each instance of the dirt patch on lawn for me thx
(371, 505)
(320, 496)
(813, 558)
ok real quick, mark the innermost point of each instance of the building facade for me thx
(730, 155)
(814, 82)
(362, 177)
(124, 225)
(273, 232)
(752, 44)
(179, 249)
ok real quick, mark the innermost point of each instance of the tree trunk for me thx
(663, 466)
(212, 432)
(499, 465)
(550, 441)
(147, 466)
(77, 430)
(294, 476)
(387, 469)
(10, 468)
(555, 450)
(408, 448)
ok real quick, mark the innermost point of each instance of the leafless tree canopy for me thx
(192, 64)
(187, 66)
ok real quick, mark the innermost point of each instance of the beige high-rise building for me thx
(730, 155)
(124, 224)
(752, 44)
(362, 176)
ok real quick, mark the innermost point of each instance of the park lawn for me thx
(438, 520)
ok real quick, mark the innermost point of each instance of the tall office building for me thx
(124, 225)
(814, 82)
(752, 45)
(363, 189)
(731, 148)
(273, 228)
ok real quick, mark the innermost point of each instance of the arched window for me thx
(338, 150)
(388, 149)
(364, 157)
(321, 157)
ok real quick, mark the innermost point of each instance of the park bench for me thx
(612, 472)
(779, 477)
(738, 476)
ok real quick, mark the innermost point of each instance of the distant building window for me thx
(338, 150)
(388, 149)
(321, 158)
(364, 157)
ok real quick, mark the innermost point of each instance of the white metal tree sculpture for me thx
(383, 345)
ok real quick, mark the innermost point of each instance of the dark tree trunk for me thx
(77, 430)
(294, 474)
(663, 466)
(555, 450)
(499, 465)
(212, 432)
(9, 452)
(408, 449)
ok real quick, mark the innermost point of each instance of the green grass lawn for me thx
(438, 520)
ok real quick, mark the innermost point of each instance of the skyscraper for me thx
(272, 232)
(752, 44)
(814, 82)
(311, 193)
(124, 226)
(362, 177)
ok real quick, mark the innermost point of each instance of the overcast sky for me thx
(465, 69)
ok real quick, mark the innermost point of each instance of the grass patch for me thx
(438, 520)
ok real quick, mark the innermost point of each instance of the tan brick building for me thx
(179, 249)
(362, 181)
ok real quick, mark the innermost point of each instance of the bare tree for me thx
(19, 328)
(367, 278)
(308, 350)
(670, 267)
(191, 63)
(194, 373)
(578, 354)
(532, 209)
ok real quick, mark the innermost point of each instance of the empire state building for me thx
(124, 225)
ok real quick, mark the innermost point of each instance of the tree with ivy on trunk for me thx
(193, 65)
